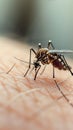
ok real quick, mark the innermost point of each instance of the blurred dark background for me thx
(38, 21)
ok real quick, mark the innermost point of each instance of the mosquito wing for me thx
(60, 51)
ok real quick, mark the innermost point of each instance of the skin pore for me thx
(28, 104)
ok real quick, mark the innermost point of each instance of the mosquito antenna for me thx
(22, 60)
(63, 94)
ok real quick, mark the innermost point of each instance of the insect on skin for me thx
(46, 56)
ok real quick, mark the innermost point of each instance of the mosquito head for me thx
(39, 45)
(36, 64)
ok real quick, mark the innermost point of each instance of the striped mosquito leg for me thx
(67, 66)
(53, 72)
(31, 50)
(36, 72)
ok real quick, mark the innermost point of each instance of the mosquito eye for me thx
(39, 45)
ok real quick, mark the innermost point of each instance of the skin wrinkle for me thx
(5, 85)
(46, 106)
(22, 94)
(17, 87)
(38, 104)
(65, 86)
(5, 89)
(11, 109)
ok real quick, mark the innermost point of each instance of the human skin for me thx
(26, 104)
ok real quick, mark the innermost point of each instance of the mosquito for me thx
(46, 56)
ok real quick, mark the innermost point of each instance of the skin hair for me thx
(28, 104)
